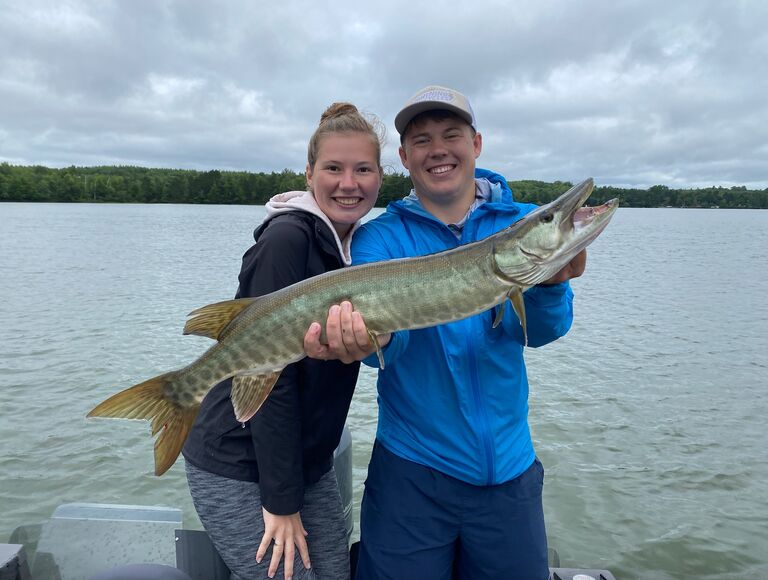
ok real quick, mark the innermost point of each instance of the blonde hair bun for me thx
(338, 110)
(343, 117)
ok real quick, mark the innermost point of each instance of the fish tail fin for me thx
(147, 401)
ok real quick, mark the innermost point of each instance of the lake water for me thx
(649, 416)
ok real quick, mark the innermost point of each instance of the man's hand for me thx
(572, 269)
(347, 336)
(288, 533)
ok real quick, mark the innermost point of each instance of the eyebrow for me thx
(451, 126)
(356, 163)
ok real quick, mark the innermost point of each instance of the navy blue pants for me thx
(419, 523)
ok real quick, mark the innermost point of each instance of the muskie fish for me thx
(258, 337)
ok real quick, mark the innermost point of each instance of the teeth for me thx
(347, 200)
(441, 169)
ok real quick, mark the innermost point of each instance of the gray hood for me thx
(305, 201)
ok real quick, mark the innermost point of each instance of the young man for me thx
(454, 486)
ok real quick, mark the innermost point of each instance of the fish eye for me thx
(547, 217)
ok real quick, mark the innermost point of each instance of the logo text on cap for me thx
(435, 95)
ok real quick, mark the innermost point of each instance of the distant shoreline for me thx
(119, 184)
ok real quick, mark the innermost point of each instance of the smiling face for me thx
(440, 154)
(346, 178)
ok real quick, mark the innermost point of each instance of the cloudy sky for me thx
(633, 93)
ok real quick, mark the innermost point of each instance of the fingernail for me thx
(258, 560)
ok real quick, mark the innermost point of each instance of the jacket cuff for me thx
(548, 295)
(284, 502)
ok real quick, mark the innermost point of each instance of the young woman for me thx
(265, 490)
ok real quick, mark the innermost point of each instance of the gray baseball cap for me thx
(433, 98)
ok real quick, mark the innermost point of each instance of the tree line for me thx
(120, 184)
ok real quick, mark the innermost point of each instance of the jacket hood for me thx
(305, 201)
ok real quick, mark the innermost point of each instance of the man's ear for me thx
(308, 174)
(477, 143)
(403, 157)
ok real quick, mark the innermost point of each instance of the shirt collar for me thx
(482, 194)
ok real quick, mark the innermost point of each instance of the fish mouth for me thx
(579, 225)
(570, 210)
(583, 223)
(584, 216)
(571, 201)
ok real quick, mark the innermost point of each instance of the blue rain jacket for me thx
(455, 397)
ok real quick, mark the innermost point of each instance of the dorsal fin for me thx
(211, 320)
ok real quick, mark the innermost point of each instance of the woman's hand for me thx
(288, 534)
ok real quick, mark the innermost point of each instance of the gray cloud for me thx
(633, 93)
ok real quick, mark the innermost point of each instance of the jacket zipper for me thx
(482, 412)
(477, 392)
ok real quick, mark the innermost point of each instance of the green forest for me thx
(117, 184)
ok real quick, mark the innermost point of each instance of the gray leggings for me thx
(230, 511)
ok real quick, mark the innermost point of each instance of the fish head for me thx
(542, 242)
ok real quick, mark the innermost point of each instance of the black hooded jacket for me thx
(291, 439)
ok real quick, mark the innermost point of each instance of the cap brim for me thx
(408, 113)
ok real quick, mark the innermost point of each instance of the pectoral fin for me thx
(211, 320)
(500, 313)
(375, 340)
(249, 391)
(515, 295)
